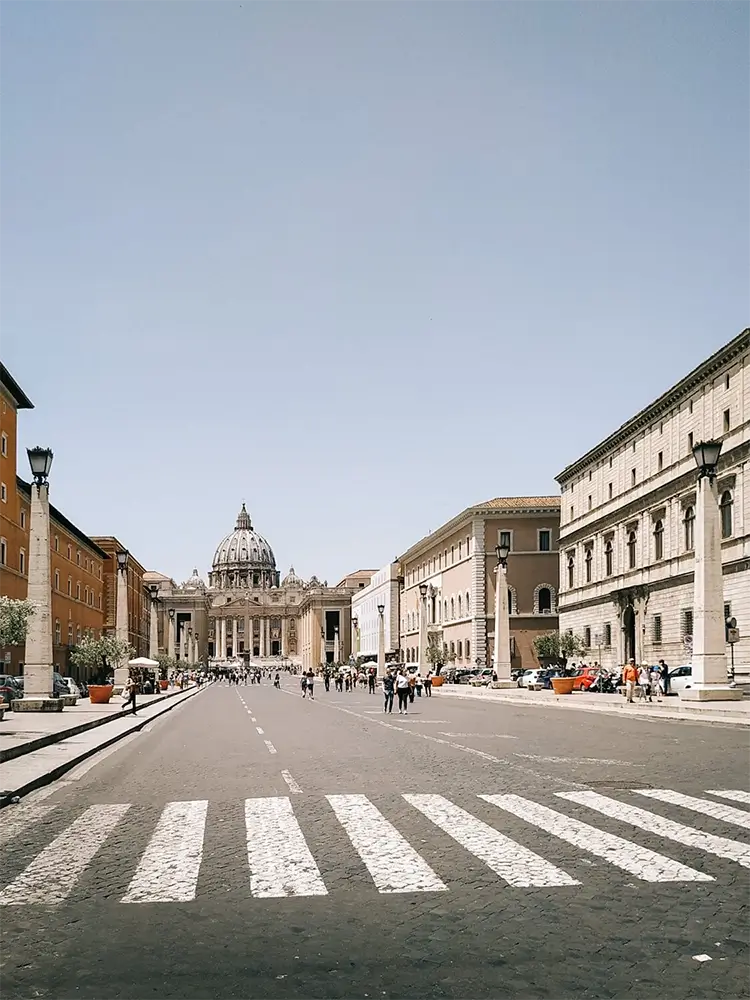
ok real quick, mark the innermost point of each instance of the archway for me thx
(628, 628)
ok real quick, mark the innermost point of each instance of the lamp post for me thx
(709, 680)
(153, 635)
(323, 657)
(381, 640)
(170, 639)
(501, 659)
(38, 682)
(422, 653)
(190, 646)
(122, 625)
(336, 646)
(355, 636)
(197, 649)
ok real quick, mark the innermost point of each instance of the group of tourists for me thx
(405, 686)
(645, 681)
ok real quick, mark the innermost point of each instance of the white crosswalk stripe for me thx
(54, 872)
(639, 861)
(722, 847)
(281, 863)
(734, 794)
(375, 839)
(728, 814)
(512, 862)
(280, 860)
(21, 817)
(168, 871)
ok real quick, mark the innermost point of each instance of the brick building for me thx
(139, 602)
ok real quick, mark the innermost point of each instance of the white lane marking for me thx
(54, 872)
(391, 861)
(722, 847)
(168, 870)
(17, 818)
(271, 747)
(253, 719)
(280, 860)
(633, 858)
(577, 760)
(293, 786)
(259, 730)
(738, 817)
(484, 736)
(734, 794)
(78, 772)
(512, 862)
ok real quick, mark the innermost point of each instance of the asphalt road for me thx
(252, 844)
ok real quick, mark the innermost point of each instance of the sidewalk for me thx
(36, 748)
(736, 713)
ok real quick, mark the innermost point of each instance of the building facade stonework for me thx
(383, 591)
(457, 563)
(628, 520)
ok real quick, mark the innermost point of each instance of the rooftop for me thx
(12, 387)
(519, 503)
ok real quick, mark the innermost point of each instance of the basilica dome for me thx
(194, 582)
(244, 558)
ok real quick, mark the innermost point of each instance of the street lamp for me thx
(709, 677)
(153, 638)
(381, 640)
(323, 657)
(38, 687)
(197, 654)
(501, 658)
(189, 645)
(170, 639)
(422, 625)
(122, 624)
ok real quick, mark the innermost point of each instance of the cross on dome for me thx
(243, 519)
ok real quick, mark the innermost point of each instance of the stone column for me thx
(710, 682)
(170, 641)
(38, 683)
(501, 661)
(266, 633)
(284, 636)
(336, 647)
(122, 625)
(223, 638)
(235, 633)
(248, 633)
(153, 637)
(422, 654)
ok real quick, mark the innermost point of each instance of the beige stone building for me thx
(457, 562)
(326, 620)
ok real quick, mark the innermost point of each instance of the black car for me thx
(10, 687)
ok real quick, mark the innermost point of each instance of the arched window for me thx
(58, 632)
(689, 529)
(589, 563)
(571, 571)
(725, 506)
(632, 545)
(659, 540)
(453, 609)
(459, 606)
(545, 601)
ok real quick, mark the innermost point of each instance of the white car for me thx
(528, 677)
(72, 686)
(681, 678)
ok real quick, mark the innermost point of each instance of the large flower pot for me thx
(163, 685)
(438, 681)
(563, 685)
(99, 694)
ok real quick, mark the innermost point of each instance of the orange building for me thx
(139, 610)
(76, 563)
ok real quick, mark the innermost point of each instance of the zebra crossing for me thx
(281, 863)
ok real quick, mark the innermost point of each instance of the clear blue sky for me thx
(362, 265)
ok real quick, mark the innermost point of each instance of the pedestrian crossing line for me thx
(21, 817)
(633, 858)
(517, 865)
(270, 746)
(259, 730)
(54, 872)
(721, 847)
(168, 870)
(732, 793)
(280, 860)
(375, 839)
(728, 814)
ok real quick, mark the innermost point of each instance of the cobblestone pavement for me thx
(255, 844)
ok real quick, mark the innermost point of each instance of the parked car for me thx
(483, 677)
(73, 687)
(60, 685)
(10, 687)
(466, 676)
(681, 678)
(529, 677)
(584, 680)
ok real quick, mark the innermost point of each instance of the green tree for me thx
(14, 620)
(166, 663)
(558, 647)
(101, 656)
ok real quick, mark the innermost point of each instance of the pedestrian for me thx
(131, 689)
(310, 683)
(348, 682)
(277, 680)
(644, 682)
(388, 692)
(327, 680)
(630, 676)
(412, 687)
(402, 690)
(371, 681)
(665, 682)
(418, 684)
(428, 684)
(656, 685)
(303, 684)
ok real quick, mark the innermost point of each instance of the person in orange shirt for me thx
(630, 676)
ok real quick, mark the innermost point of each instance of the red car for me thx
(585, 679)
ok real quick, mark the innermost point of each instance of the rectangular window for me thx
(3, 551)
(587, 637)
(23, 518)
(726, 382)
(690, 406)
(57, 544)
(544, 540)
(686, 622)
(3, 492)
(78, 557)
(460, 549)
(656, 630)
(726, 421)
(70, 587)
(3, 444)
(661, 427)
(57, 579)
(590, 501)
(660, 461)
(505, 538)
(607, 634)
(727, 610)
(610, 491)
(610, 461)
(690, 441)
(571, 512)
(632, 477)
(22, 562)
(78, 591)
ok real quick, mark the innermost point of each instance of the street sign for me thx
(733, 635)
(687, 642)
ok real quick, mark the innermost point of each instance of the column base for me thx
(712, 692)
(37, 704)
(503, 685)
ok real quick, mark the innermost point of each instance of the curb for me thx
(677, 715)
(7, 796)
(11, 753)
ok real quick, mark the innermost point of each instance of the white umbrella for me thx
(142, 661)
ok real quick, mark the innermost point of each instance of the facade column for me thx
(122, 625)
(39, 663)
(284, 636)
(223, 638)
(422, 654)
(170, 637)
(336, 647)
(266, 636)
(381, 641)
(235, 629)
(248, 633)
(153, 636)
(501, 663)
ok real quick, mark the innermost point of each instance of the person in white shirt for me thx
(402, 690)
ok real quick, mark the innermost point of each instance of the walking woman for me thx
(310, 683)
(303, 684)
(402, 690)
(388, 692)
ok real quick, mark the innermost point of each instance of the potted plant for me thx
(554, 649)
(101, 656)
(436, 657)
(166, 663)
